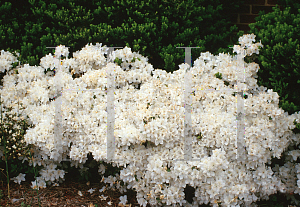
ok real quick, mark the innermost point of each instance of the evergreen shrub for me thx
(279, 60)
(153, 27)
(293, 4)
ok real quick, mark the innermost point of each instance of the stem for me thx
(37, 189)
(7, 176)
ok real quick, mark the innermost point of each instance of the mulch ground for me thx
(64, 195)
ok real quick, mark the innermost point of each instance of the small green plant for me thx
(118, 61)
(199, 136)
(24, 205)
(226, 83)
(218, 75)
(12, 142)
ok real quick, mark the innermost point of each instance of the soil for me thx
(65, 195)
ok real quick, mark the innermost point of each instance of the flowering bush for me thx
(149, 125)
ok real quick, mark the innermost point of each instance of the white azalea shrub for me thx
(149, 125)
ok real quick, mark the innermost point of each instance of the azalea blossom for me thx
(103, 197)
(19, 178)
(123, 200)
(159, 96)
(91, 191)
(102, 189)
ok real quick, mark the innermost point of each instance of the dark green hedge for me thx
(279, 60)
(154, 28)
(293, 4)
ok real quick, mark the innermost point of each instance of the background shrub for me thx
(279, 60)
(154, 28)
(293, 4)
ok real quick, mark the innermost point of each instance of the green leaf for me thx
(218, 75)
(274, 198)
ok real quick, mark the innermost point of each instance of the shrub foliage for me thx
(154, 28)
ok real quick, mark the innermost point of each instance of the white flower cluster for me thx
(154, 115)
(114, 183)
(6, 59)
(246, 41)
(51, 174)
(61, 50)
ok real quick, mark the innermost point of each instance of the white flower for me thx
(102, 189)
(48, 62)
(238, 49)
(19, 178)
(61, 50)
(46, 174)
(34, 184)
(91, 191)
(38, 183)
(60, 173)
(101, 169)
(206, 56)
(109, 203)
(103, 197)
(142, 202)
(51, 166)
(123, 200)
(246, 40)
(80, 193)
(295, 154)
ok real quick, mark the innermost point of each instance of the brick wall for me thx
(250, 10)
